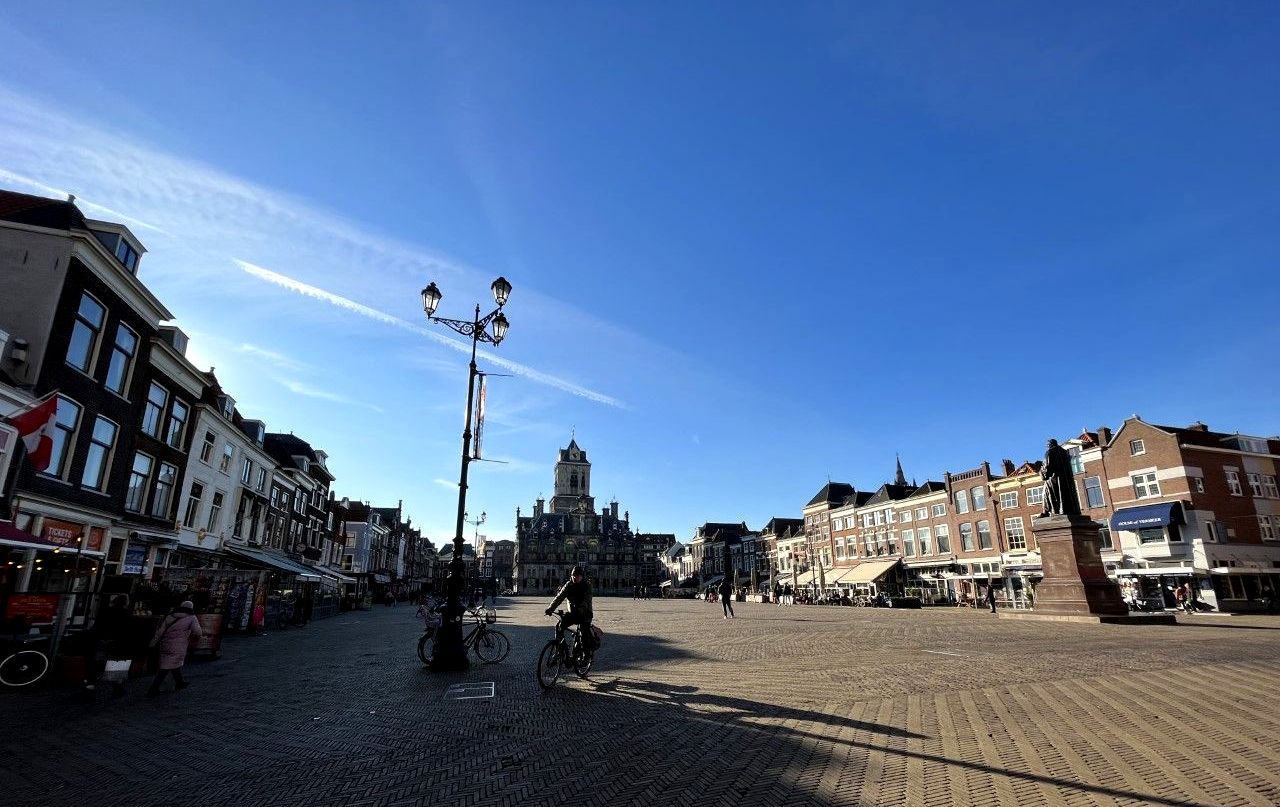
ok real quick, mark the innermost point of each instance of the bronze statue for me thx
(1060, 497)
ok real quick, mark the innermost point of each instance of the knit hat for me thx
(188, 604)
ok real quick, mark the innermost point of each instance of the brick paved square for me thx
(782, 706)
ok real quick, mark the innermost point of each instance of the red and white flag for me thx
(35, 427)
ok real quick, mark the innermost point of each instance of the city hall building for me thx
(550, 541)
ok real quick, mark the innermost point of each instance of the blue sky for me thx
(752, 245)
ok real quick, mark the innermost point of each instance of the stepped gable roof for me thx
(38, 211)
(927, 488)
(832, 493)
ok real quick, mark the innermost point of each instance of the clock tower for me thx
(573, 481)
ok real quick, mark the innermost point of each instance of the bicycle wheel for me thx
(425, 646)
(581, 659)
(550, 665)
(24, 667)
(492, 647)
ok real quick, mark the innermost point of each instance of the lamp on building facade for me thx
(450, 652)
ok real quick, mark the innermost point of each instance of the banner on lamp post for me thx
(475, 454)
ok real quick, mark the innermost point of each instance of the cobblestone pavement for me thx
(802, 705)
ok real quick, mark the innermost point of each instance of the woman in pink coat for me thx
(175, 633)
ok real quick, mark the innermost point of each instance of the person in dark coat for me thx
(110, 637)
(726, 598)
(578, 593)
(991, 598)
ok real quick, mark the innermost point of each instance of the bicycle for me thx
(22, 664)
(490, 645)
(563, 652)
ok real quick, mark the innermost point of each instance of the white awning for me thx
(869, 571)
(1158, 571)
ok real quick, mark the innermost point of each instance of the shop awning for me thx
(805, 579)
(12, 536)
(276, 562)
(1175, 571)
(664, 584)
(713, 581)
(870, 571)
(1148, 516)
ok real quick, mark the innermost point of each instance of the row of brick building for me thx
(155, 470)
(1174, 505)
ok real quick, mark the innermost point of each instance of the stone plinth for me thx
(1075, 587)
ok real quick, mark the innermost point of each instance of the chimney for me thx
(1008, 466)
(613, 509)
(1197, 427)
(538, 506)
(986, 468)
(1104, 436)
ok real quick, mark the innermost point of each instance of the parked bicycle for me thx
(490, 644)
(24, 659)
(565, 650)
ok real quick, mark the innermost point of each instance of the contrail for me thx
(307, 290)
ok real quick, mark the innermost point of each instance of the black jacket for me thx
(578, 595)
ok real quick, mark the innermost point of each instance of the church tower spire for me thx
(901, 478)
(573, 480)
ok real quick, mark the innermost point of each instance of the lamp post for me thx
(450, 653)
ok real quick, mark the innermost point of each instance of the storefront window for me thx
(1151, 535)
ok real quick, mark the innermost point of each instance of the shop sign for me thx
(65, 533)
(135, 557)
(34, 609)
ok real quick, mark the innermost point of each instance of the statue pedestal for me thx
(1075, 587)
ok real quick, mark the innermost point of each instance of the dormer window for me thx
(127, 255)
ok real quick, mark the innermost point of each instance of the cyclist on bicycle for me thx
(578, 592)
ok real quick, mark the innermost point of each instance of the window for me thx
(1197, 484)
(939, 510)
(922, 513)
(260, 483)
(299, 502)
(1093, 492)
(206, 450)
(157, 397)
(228, 454)
(1145, 485)
(1009, 501)
(193, 505)
(839, 549)
(85, 333)
(1035, 496)
(101, 441)
(909, 543)
(177, 428)
(966, 537)
(121, 359)
(1266, 528)
(139, 481)
(879, 518)
(1104, 538)
(1013, 530)
(1233, 483)
(962, 501)
(1255, 484)
(922, 536)
(127, 255)
(246, 470)
(1269, 486)
(165, 481)
(1151, 535)
(1137, 447)
(215, 510)
(870, 544)
(943, 533)
(64, 433)
(906, 516)
(984, 534)
(1077, 465)
(979, 498)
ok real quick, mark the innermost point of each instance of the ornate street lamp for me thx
(450, 652)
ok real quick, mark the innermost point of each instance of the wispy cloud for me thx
(307, 390)
(278, 359)
(445, 483)
(308, 290)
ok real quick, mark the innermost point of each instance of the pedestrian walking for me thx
(991, 597)
(777, 594)
(111, 652)
(172, 639)
(1180, 596)
(726, 598)
(788, 595)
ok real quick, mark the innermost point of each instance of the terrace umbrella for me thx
(755, 580)
(822, 577)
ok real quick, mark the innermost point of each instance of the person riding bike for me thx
(578, 592)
